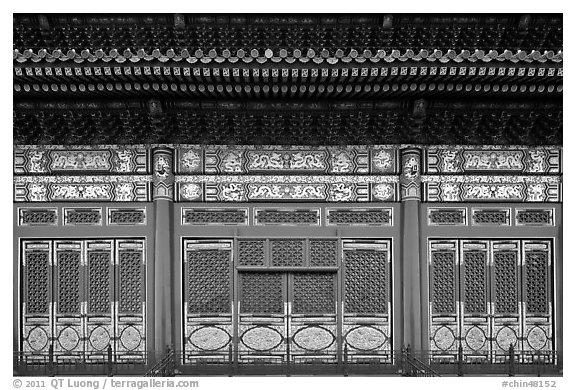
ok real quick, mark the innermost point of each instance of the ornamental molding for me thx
(83, 179)
(299, 179)
(490, 179)
(299, 56)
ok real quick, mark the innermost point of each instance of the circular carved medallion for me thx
(366, 338)
(262, 338)
(99, 338)
(209, 338)
(69, 338)
(37, 339)
(505, 337)
(444, 338)
(313, 338)
(537, 338)
(130, 338)
(475, 338)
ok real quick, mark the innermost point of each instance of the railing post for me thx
(51, 360)
(538, 362)
(230, 361)
(511, 360)
(110, 365)
(345, 359)
(460, 360)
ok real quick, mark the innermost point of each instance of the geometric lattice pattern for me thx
(537, 295)
(223, 216)
(37, 283)
(209, 281)
(287, 252)
(251, 252)
(323, 253)
(290, 217)
(360, 217)
(447, 217)
(506, 282)
(493, 280)
(366, 282)
(131, 282)
(261, 292)
(443, 282)
(534, 217)
(314, 292)
(68, 282)
(475, 282)
(99, 282)
(491, 217)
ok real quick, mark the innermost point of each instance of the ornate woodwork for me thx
(486, 295)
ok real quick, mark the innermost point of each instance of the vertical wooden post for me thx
(411, 197)
(511, 360)
(110, 362)
(163, 197)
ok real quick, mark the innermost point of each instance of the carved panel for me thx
(68, 281)
(474, 281)
(443, 285)
(131, 281)
(252, 252)
(82, 216)
(222, 216)
(261, 292)
(208, 280)
(37, 217)
(534, 217)
(99, 282)
(287, 217)
(314, 292)
(323, 253)
(494, 217)
(506, 282)
(359, 217)
(446, 216)
(287, 253)
(37, 282)
(537, 291)
(366, 280)
(126, 216)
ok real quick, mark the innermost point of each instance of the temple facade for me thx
(287, 194)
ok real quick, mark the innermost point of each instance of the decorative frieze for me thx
(81, 188)
(69, 160)
(82, 216)
(38, 216)
(491, 188)
(295, 159)
(455, 159)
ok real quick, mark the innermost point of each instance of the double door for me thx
(288, 317)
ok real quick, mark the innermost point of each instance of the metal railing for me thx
(405, 362)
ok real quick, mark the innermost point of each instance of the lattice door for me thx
(486, 295)
(208, 300)
(70, 290)
(367, 330)
(288, 316)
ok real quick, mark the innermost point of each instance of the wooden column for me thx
(163, 196)
(410, 196)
